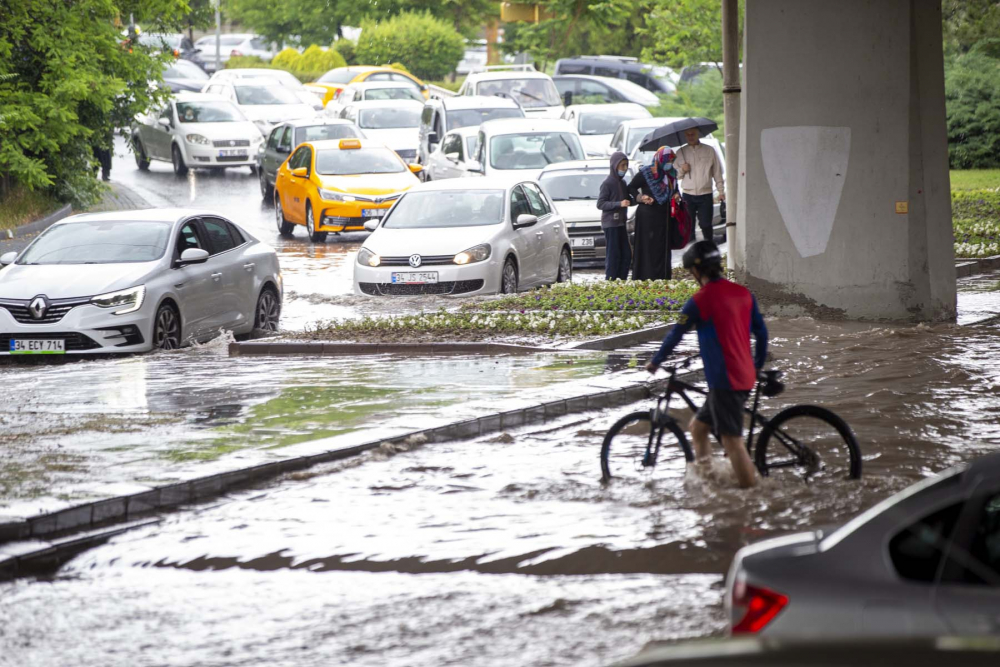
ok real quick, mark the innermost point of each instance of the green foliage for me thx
(702, 97)
(315, 59)
(298, 21)
(447, 84)
(66, 81)
(430, 47)
(976, 219)
(685, 32)
(286, 59)
(968, 22)
(972, 94)
(21, 206)
(604, 296)
(347, 49)
(246, 62)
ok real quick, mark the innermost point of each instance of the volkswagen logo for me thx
(232, 143)
(39, 306)
(415, 261)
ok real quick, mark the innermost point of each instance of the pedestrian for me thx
(699, 165)
(653, 187)
(103, 148)
(613, 201)
(725, 314)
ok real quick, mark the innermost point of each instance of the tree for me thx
(428, 47)
(300, 22)
(967, 22)
(685, 32)
(972, 96)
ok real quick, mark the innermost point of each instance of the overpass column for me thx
(844, 205)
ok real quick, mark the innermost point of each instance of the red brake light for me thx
(235, 53)
(761, 606)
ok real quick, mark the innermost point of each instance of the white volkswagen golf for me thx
(133, 281)
(465, 237)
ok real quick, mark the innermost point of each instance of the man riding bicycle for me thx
(725, 314)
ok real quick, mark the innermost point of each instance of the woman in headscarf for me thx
(653, 187)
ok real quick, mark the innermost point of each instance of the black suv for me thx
(616, 67)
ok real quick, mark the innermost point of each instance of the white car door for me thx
(550, 227)
(527, 241)
(157, 138)
(194, 284)
(452, 156)
(232, 275)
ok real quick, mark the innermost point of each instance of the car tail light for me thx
(760, 605)
(235, 52)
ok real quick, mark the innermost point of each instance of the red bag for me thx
(680, 228)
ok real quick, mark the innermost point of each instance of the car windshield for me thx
(321, 132)
(224, 40)
(208, 112)
(606, 122)
(385, 118)
(99, 242)
(529, 92)
(471, 145)
(570, 186)
(534, 151)
(636, 135)
(344, 162)
(338, 76)
(476, 117)
(260, 95)
(407, 93)
(183, 69)
(447, 208)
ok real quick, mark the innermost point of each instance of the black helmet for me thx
(702, 254)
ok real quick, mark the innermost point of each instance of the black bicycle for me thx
(810, 440)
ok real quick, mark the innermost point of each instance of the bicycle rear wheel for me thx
(624, 451)
(809, 442)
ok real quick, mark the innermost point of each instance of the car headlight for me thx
(330, 195)
(478, 254)
(367, 258)
(126, 300)
(197, 139)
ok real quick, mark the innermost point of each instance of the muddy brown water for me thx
(504, 550)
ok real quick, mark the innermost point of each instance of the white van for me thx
(534, 91)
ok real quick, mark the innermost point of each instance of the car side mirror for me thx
(415, 168)
(7, 258)
(192, 256)
(300, 172)
(525, 220)
(452, 156)
(165, 122)
(371, 225)
(476, 167)
(284, 150)
(568, 98)
(432, 138)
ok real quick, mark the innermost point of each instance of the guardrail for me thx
(440, 93)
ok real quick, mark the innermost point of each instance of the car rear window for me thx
(474, 117)
(338, 76)
(321, 132)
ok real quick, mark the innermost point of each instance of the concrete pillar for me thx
(844, 205)
(731, 109)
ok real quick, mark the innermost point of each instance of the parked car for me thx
(264, 101)
(654, 78)
(925, 562)
(391, 122)
(583, 89)
(629, 133)
(184, 75)
(596, 123)
(283, 138)
(177, 43)
(330, 84)
(534, 91)
(460, 237)
(286, 79)
(134, 281)
(521, 147)
(195, 130)
(338, 185)
(451, 113)
(573, 188)
(453, 156)
(243, 44)
(373, 91)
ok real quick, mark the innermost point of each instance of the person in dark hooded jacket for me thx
(614, 202)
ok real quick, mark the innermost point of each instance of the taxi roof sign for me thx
(350, 143)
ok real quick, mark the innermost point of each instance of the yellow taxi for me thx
(330, 84)
(338, 185)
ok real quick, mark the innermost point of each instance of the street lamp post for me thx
(218, 34)
(731, 90)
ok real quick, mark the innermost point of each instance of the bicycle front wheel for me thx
(810, 442)
(634, 448)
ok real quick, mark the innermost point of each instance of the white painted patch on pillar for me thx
(805, 169)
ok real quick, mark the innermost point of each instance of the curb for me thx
(41, 224)
(351, 349)
(107, 513)
(970, 267)
(625, 340)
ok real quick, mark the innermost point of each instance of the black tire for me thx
(565, 273)
(624, 446)
(178, 161)
(835, 450)
(508, 277)
(253, 170)
(268, 311)
(266, 189)
(141, 159)
(314, 236)
(166, 328)
(285, 228)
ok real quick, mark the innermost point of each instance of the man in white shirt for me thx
(698, 165)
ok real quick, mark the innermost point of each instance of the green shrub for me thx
(703, 97)
(315, 59)
(430, 47)
(347, 49)
(286, 59)
(972, 94)
(246, 62)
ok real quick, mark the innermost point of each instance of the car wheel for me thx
(266, 189)
(268, 311)
(141, 159)
(253, 170)
(285, 228)
(314, 236)
(166, 328)
(508, 279)
(565, 274)
(179, 167)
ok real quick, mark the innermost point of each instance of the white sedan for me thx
(134, 281)
(460, 237)
(196, 130)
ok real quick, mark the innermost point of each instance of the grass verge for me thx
(21, 206)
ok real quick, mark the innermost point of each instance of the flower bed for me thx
(615, 296)
(976, 219)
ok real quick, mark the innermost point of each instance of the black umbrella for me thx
(672, 134)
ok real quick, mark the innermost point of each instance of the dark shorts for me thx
(723, 409)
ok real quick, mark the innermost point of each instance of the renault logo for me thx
(415, 260)
(38, 307)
